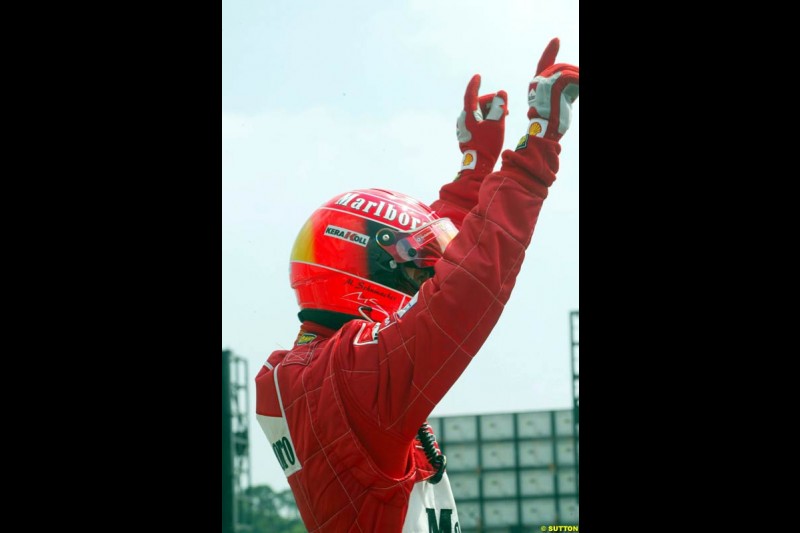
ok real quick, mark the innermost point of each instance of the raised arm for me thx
(399, 369)
(480, 130)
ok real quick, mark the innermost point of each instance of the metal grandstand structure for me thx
(236, 474)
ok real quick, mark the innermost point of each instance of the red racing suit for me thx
(341, 409)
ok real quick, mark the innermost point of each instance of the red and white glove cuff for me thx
(551, 98)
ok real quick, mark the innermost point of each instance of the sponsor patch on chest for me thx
(277, 431)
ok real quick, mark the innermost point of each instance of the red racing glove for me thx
(550, 96)
(481, 128)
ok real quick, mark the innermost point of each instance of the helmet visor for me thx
(423, 246)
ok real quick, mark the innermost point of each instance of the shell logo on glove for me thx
(469, 160)
(536, 129)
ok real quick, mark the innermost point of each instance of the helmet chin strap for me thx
(365, 311)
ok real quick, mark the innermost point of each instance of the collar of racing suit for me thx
(315, 329)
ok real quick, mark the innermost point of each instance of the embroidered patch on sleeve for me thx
(304, 338)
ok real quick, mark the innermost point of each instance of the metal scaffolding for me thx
(236, 474)
(574, 339)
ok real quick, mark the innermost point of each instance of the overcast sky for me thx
(319, 98)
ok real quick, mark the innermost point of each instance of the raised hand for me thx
(550, 95)
(480, 127)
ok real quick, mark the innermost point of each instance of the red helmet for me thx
(358, 254)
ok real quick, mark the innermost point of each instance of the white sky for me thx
(319, 98)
